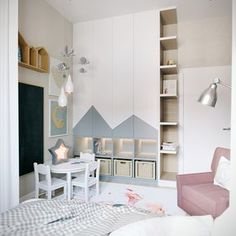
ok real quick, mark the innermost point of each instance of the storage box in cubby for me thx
(123, 168)
(145, 169)
(105, 166)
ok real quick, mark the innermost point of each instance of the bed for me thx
(76, 217)
(62, 217)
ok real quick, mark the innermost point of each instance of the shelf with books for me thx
(169, 100)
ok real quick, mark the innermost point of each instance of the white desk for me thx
(68, 168)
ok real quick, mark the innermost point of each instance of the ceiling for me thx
(84, 10)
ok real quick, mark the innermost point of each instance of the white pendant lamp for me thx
(62, 99)
(69, 88)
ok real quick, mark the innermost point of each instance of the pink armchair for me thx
(197, 195)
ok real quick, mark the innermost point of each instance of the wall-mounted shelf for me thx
(33, 58)
(22, 64)
(169, 43)
(169, 69)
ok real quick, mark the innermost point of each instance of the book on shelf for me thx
(169, 146)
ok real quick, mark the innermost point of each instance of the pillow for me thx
(222, 176)
(168, 226)
(59, 152)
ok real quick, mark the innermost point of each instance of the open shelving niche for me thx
(131, 161)
(169, 102)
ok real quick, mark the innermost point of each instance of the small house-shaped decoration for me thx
(34, 58)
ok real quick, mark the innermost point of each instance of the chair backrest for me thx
(41, 169)
(91, 167)
(87, 156)
(219, 152)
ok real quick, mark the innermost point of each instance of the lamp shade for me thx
(209, 96)
(62, 99)
(69, 85)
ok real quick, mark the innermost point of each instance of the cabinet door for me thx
(102, 78)
(83, 82)
(123, 76)
(146, 85)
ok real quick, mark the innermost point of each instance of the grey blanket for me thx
(60, 217)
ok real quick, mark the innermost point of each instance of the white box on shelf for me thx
(169, 86)
(105, 166)
(145, 169)
(123, 168)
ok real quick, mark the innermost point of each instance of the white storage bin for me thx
(145, 169)
(105, 166)
(123, 168)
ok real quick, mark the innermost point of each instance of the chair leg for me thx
(49, 194)
(97, 188)
(86, 194)
(53, 193)
(65, 191)
(36, 192)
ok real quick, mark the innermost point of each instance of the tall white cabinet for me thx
(123, 78)
(119, 103)
(146, 67)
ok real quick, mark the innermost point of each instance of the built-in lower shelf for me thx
(167, 123)
(168, 69)
(164, 95)
(170, 176)
(169, 43)
(168, 152)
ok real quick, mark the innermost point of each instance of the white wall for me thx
(202, 124)
(53, 32)
(9, 158)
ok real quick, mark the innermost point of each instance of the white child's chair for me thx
(49, 184)
(87, 156)
(86, 181)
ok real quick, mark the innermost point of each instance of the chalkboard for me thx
(30, 127)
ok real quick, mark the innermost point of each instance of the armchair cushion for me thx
(198, 195)
(210, 198)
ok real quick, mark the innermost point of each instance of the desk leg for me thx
(68, 186)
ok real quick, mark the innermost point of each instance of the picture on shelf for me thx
(169, 87)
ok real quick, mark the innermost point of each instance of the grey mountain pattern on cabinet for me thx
(100, 126)
(125, 129)
(84, 128)
(93, 124)
(143, 129)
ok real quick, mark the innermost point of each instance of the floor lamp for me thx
(209, 96)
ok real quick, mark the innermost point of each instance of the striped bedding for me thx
(61, 217)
